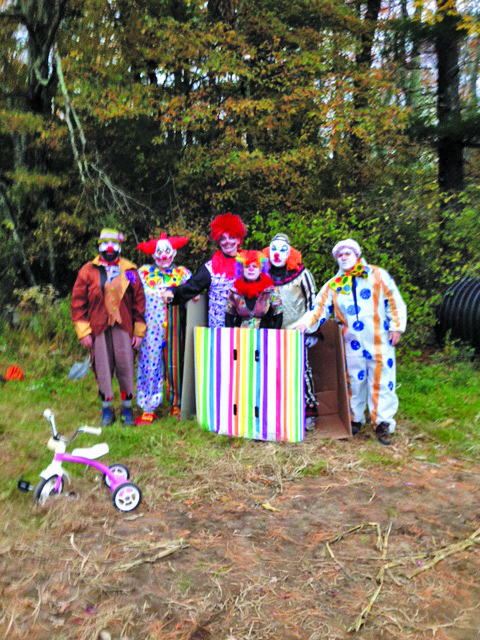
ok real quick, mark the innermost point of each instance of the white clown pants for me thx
(372, 381)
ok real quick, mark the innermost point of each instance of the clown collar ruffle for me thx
(253, 289)
(222, 264)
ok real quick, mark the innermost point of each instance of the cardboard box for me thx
(250, 383)
(197, 316)
(327, 360)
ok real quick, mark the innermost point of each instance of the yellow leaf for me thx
(269, 507)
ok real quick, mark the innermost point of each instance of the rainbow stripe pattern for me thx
(250, 383)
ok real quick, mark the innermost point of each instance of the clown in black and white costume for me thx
(218, 274)
(296, 286)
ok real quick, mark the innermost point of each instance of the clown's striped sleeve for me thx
(396, 309)
(321, 310)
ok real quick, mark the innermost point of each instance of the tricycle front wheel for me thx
(45, 489)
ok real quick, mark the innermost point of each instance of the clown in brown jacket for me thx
(108, 306)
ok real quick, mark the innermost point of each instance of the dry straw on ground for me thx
(270, 541)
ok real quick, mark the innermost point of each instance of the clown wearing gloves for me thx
(108, 306)
(368, 306)
(161, 352)
(296, 286)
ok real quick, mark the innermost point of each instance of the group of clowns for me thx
(118, 308)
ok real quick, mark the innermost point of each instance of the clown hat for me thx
(349, 243)
(110, 235)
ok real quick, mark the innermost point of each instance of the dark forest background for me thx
(320, 118)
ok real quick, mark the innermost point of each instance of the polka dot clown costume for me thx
(366, 302)
(161, 352)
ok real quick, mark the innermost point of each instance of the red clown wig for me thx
(228, 223)
(150, 247)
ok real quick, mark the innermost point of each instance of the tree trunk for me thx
(12, 218)
(42, 20)
(363, 60)
(450, 143)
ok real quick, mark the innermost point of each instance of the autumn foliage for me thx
(306, 117)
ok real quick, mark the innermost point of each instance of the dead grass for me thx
(249, 547)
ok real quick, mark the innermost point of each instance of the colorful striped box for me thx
(249, 383)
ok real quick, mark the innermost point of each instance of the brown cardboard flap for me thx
(197, 316)
(329, 376)
(327, 402)
(332, 427)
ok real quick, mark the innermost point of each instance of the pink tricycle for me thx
(126, 496)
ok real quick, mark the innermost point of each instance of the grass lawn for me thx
(240, 539)
(439, 405)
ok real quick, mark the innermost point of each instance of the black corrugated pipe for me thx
(459, 313)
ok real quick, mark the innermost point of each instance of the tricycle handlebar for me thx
(96, 431)
(48, 415)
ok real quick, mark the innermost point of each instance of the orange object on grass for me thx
(14, 373)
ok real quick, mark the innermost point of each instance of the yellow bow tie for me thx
(343, 284)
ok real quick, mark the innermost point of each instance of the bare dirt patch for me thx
(270, 542)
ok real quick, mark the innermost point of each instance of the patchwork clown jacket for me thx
(260, 312)
(98, 303)
(366, 306)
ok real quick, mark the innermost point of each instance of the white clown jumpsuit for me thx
(371, 307)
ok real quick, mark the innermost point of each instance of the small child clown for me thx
(253, 302)
(161, 353)
(368, 306)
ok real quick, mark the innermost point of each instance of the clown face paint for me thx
(279, 252)
(346, 259)
(109, 250)
(164, 254)
(229, 244)
(251, 272)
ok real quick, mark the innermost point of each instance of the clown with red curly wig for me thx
(218, 274)
(161, 353)
(253, 302)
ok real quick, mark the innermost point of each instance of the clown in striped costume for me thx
(161, 354)
(366, 302)
(297, 290)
